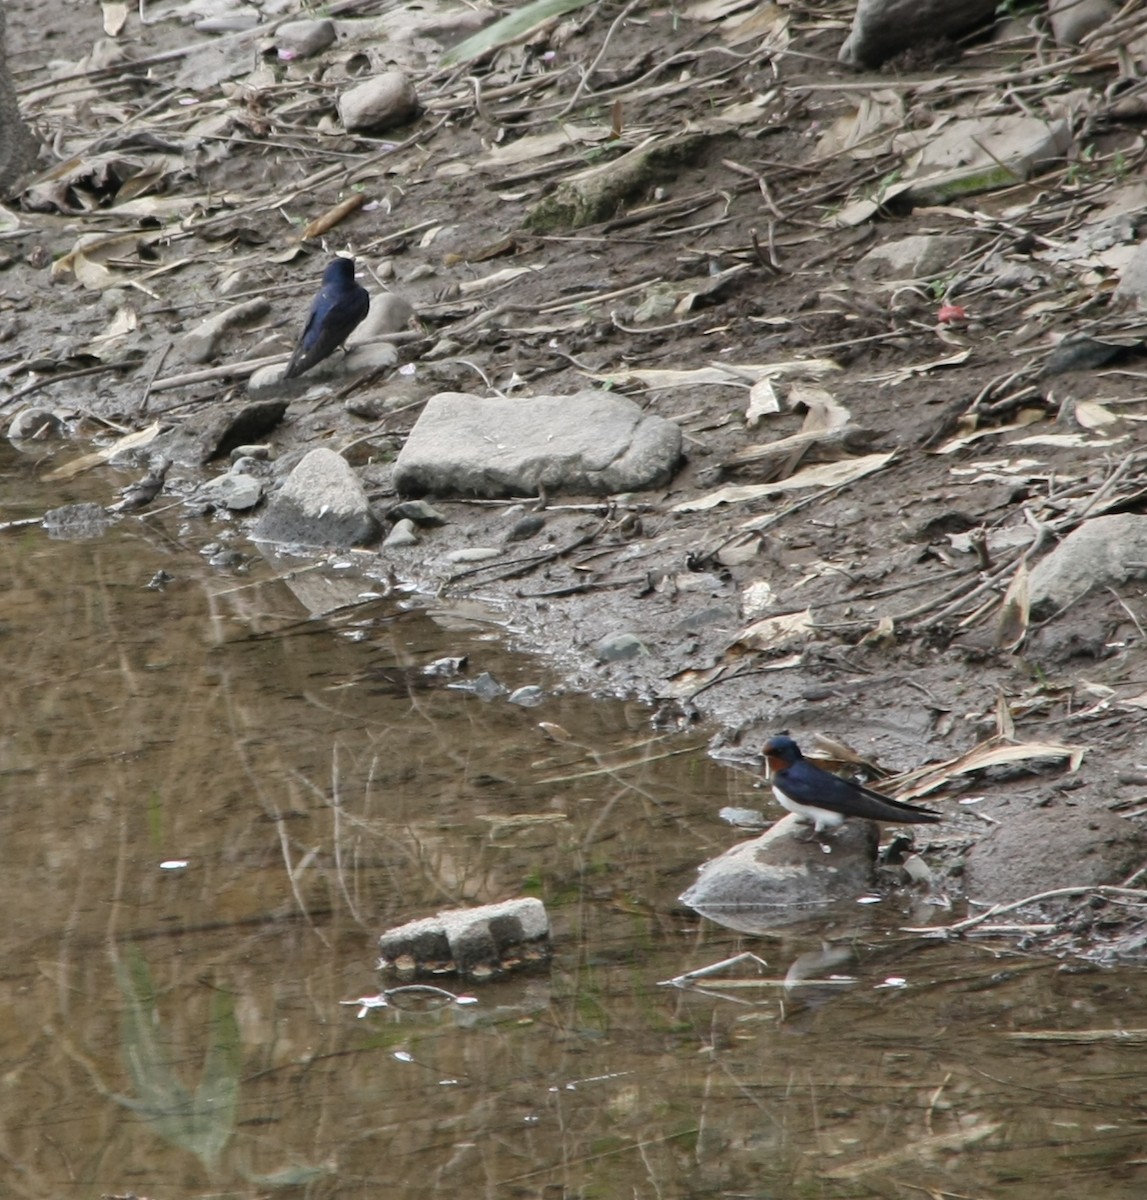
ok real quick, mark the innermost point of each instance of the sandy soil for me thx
(930, 685)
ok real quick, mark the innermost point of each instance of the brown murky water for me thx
(213, 804)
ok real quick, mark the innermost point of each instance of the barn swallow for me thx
(340, 305)
(824, 800)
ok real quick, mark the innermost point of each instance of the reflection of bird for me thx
(340, 305)
(141, 493)
(824, 800)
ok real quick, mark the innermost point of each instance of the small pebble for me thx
(417, 511)
(526, 527)
(402, 534)
(617, 647)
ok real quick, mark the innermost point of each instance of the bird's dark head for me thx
(339, 270)
(781, 752)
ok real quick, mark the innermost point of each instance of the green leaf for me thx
(509, 28)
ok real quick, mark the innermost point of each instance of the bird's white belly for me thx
(821, 818)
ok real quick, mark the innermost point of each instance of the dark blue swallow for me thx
(824, 800)
(340, 305)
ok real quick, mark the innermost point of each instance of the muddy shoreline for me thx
(871, 608)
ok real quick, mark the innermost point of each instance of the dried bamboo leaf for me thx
(904, 374)
(772, 633)
(132, 441)
(1005, 725)
(823, 475)
(735, 374)
(1067, 440)
(1024, 418)
(992, 753)
(1015, 613)
(540, 145)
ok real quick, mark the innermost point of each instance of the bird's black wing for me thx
(815, 788)
(337, 310)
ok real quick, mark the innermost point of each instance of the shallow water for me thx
(213, 804)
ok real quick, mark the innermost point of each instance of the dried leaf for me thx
(1015, 614)
(773, 633)
(132, 441)
(1067, 440)
(333, 216)
(765, 24)
(713, 10)
(896, 378)
(495, 279)
(1024, 418)
(762, 401)
(992, 753)
(87, 260)
(730, 373)
(825, 412)
(883, 633)
(566, 138)
(863, 133)
(125, 321)
(832, 474)
(1005, 725)
(554, 731)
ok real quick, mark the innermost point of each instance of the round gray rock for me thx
(385, 100)
(322, 503)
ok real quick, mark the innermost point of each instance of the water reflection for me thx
(181, 1030)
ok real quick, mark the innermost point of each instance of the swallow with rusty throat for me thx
(824, 800)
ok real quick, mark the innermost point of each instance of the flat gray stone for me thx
(236, 491)
(478, 943)
(1103, 552)
(776, 878)
(591, 442)
(978, 154)
(882, 28)
(921, 256)
(322, 503)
